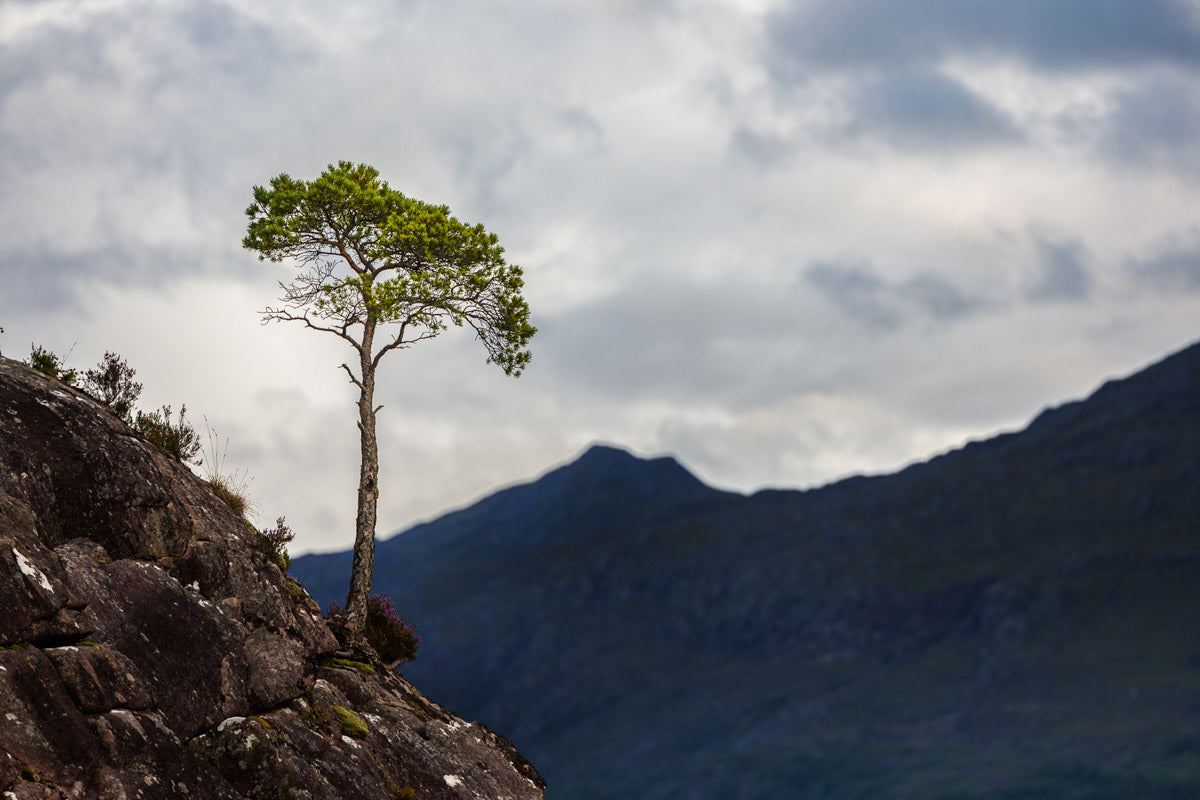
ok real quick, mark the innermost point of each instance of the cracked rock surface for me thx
(149, 650)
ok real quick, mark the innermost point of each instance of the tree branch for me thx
(400, 342)
(283, 315)
(353, 379)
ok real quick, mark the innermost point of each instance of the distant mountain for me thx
(1019, 618)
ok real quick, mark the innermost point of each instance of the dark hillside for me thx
(1017, 618)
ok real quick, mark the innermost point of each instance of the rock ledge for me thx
(149, 650)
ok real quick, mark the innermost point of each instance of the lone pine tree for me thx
(381, 271)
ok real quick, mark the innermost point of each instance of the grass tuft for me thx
(234, 487)
(236, 500)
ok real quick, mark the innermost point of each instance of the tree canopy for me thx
(370, 254)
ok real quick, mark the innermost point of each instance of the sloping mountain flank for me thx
(1018, 618)
(148, 648)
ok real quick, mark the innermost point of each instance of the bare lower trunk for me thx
(368, 497)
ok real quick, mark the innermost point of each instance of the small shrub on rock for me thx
(274, 542)
(112, 383)
(48, 363)
(178, 439)
(394, 640)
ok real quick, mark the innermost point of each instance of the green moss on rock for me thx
(352, 724)
(361, 666)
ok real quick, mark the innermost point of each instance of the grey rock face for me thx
(148, 649)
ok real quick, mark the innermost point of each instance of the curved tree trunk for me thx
(368, 494)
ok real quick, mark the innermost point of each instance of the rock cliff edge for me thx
(149, 650)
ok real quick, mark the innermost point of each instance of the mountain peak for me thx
(602, 457)
(598, 451)
(608, 474)
(604, 487)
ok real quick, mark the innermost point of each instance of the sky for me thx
(784, 241)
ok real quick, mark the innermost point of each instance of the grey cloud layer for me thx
(775, 242)
(863, 294)
(1063, 274)
(1156, 123)
(926, 111)
(1064, 34)
(1176, 268)
(898, 60)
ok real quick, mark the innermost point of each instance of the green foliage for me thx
(406, 793)
(274, 541)
(111, 382)
(371, 255)
(352, 724)
(48, 363)
(178, 438)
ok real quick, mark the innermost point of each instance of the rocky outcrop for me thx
(149, 650)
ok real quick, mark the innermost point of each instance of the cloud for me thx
(958, 75)
(761, 148)
(937, 297)
(120, 129)
(925, 111)
(1063, 275)
(678, 340)
(859, 291)
(1174, 268)
(1061, 35)
(1155, 123)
